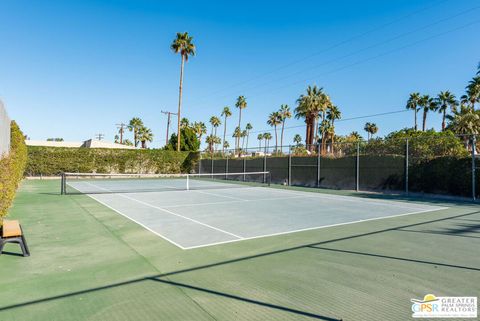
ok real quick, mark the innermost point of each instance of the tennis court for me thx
(193, 211)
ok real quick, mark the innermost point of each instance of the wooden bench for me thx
(12, 233)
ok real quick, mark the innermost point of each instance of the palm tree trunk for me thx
(424, 119)
(259, 144)
(443, 120)
(224, 133)
(180, 103)
(239, 123)
(215, 145)
(276, 140)
(281, 137)
(246, 147)
(415, 118)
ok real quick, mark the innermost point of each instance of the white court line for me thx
(308, 229)
(239, 201)
(169, 212)
(219, 195)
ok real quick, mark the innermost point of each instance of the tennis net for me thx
(93, 183)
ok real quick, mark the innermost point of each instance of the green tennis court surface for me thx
(90, 263)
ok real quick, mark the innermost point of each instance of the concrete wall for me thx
(4, 131)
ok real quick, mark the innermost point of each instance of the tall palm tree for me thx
(237, 133)
(285, 113)
(333, 114)
(248, 128)
(145, 135)
(225, 113)
(308, 107)
(200, 128)
(134, 125)
(325, 105)
(274, 119)
(297, 139)
(243, 135)
(225, 145)
(445, 100)
(210, 140)
(371, 129)
(240, 104)
(267, 136)
(428, 104)
(184, 46)
(412, 103)
(260, 138)
(215, 122)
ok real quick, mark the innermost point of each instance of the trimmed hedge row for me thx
(51, 161)
(11, 169)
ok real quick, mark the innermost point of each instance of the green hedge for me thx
(11, 169)
(50, 161)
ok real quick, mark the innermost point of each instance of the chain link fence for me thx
(4, 131)
(444, 165)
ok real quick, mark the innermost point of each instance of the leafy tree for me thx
(274, 119)
(134, 125)
(240, 104)
(184, 122)
(188, 140)
(225, 113)
(412, 103)
(184, 46)
(445, 100)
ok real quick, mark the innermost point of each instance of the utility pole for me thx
(99, 136)
(168, 113)
(121, 129)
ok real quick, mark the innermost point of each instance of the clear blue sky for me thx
(75, 68)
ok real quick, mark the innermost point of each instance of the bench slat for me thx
(11, 229)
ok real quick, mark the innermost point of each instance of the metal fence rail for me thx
(444, 166)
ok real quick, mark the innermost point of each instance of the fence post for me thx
(318, 165)
(212, 166)
(474, 192)
(406, 165)
(200, 164)
(289, 165)
(357, 180)
(226, 167)
(244, 167)
(264, 168)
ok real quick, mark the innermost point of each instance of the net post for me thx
(269, 175)
(188, 182)
(318, 165)
(406, 165)
(474, 192)
(289, 165)
(62, 184)
(226, 167)
(357, 170)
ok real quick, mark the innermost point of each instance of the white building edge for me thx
(85, 144)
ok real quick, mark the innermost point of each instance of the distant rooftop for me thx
(86, 144)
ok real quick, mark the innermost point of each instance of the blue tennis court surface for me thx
(225, 213)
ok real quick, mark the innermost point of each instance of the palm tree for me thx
(199, 128)
(428, 104)
(267, 136)
(236, 134)
(285, 113)
(297, 139)
(464, 122)
(134, 125)
(371, 129)
(355, 136)
(472, 95)
(184, 123)
(445, 100)
(225, 113)
(127, 142)
(274, 119)
(243, 135)
(183, 45)
(117, 139)
(225, 145)
(240, 104)
(210, 140)
(412, 103)
(260, 138)
(145, 135)
(215, 122)
(248, 128)
(333, 114)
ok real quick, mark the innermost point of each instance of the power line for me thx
(381, 27)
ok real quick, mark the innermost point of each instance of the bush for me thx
(11, 169)
(188, 140)
(50, 161)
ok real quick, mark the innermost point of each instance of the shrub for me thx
(11, 169)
